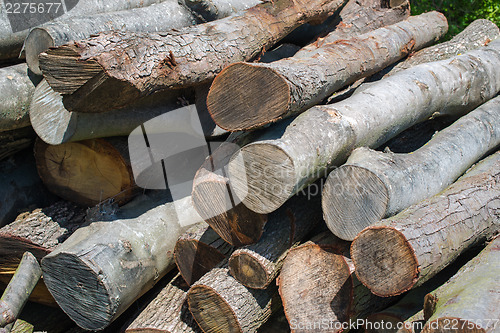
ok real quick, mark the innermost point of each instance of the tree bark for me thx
(466, 302)
(100, 270)
(210, 10)
(422, 240)
(198, 251)
(219, 303)
(239, 101)
(12, 142)
(11, 42)
(17, 90)
(256, 266)
(373, 185)
(19, 288)
(479, 33)
(87, 172)
(298, 155)
(319, 290)
(92, 80)
(167, 312)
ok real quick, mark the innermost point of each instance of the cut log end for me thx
(75, 282)
(249, 271)
(385, 261)
(262, 177)
(38, 41)
(86, 172)
(210, 310)
(385, 323)
(353, 198)
(236, 88)
(450, 324)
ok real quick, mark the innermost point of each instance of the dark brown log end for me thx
(86, 172)
(262, 177)
(315, 284)
(38, 41)
(450, 324)
(384, 323)
(211, 311)
(385, 261)
(194, 259)
(244, 96)
(79, 290)
(248, 270)
(353, 198)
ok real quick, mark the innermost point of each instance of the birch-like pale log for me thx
(297, 156)
(247, 95)
(100, 270)
(115, 68)
(420, 241)
(373, 185)
(466, 303)
(210, 10)
(11, 43)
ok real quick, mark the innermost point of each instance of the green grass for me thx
(459, 12)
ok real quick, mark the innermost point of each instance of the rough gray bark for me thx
(466, 303)
(11, 43)
(210, 10)
(219, 303)
(100, 270)
(256, 266)
(239, 101)
(319, 290)
(20, 187)
(17, 90)
(373, 185)
(16, 140)
(167, 312)
(19, 288)
(297, 156)
(91, 80)
(420, 241)
(199, 250)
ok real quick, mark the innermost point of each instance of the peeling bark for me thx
(295, 157)
(420, 241)
(115, 68)
(247, 96)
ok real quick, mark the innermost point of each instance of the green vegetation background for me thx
(459, 12)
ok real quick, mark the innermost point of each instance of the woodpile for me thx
(249, 166)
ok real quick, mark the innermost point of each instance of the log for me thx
(319, 290)
(12, 142)
(87, 172)
(20, 326)
(198, 251)
(295, 157)
(422, 240)
(219, 303)
(38, 232)
(19, 288)
(256, 266)
(210, 10)
(176, 59)
(479, 33)
(20, 187)
(167, 312)
(12, 36)
(17, 89)
(373, 185)
(100, 270)
(464, 303)
(295, 84)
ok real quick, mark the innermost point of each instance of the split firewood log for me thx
(199, 250)
(295, 157)
(420, 241)
(19, 288)
(319, 290)
(373, 185)
(466, 302)
(92, 82)
(219, 303)
(257, 265)
(101, 269)
(239, 101)
(13, 32)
